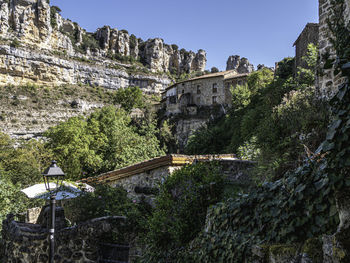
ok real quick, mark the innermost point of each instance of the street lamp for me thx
(53, 178)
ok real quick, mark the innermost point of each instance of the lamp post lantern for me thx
(53, 178)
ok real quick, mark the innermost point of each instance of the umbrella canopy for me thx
(66, 191)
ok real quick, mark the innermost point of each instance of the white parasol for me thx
(66, 191)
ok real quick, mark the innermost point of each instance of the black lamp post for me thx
(53, 178)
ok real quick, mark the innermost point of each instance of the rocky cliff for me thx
(38, 45)
(241, 65)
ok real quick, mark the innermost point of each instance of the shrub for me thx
(214, 70)
(89, 42)
(181, 208)
(109, 201)
(15, 43)
(298, 207)
(53, 11)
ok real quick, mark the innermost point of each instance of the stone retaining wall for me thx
(28, 243)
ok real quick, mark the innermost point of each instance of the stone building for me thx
(329, 79)
(307, 36)
(204, 91)
(143, 179)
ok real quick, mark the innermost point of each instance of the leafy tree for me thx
(285, 67)
(307, 75)
(281, 114)
(214, 70)
(129, 98)
(20, 167)
(24, 163)
(104, 141)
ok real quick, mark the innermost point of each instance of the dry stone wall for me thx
(28, 243)
(145, 182)
(328, 81)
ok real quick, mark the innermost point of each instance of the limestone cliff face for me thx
(242, 65)
(38, 45)
(20, 66)
(154, 53)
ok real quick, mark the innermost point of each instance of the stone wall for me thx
(307, 36)
(328, 81)
(185, 128)
(203, 91)
(28, 243)
(144, 184)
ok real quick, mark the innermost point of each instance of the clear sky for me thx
(262, 31)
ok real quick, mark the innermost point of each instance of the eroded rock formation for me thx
(241, 65)
(45, 47)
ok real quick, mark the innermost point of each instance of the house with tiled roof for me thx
(203, 91)
(144, 178)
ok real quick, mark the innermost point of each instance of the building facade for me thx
(309, 35)
(204, 91)
(143, 179)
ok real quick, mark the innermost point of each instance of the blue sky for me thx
(262, 31)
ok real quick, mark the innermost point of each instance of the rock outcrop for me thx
(241, 65)
(47, 48)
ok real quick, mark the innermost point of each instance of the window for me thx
(172, 100)
(198, 89)
(214, 100)
(215, 88)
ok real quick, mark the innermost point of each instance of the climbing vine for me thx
(299, 206)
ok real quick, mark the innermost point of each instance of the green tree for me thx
(24, 163)
(214, 70)
(129, 98)
(306, 76)
(104, 141)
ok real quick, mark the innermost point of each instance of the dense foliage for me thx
(104, 141)
(298, 206)
(181, 208)
(273, 117)
(109, 201)
(19, 168)
(130, 98)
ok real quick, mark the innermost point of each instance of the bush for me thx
(104, 141)
(214, 70)
(53, 11)
(109, 201)
(298, 207)
(89, 42)
(15, 43)
(181, 208)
